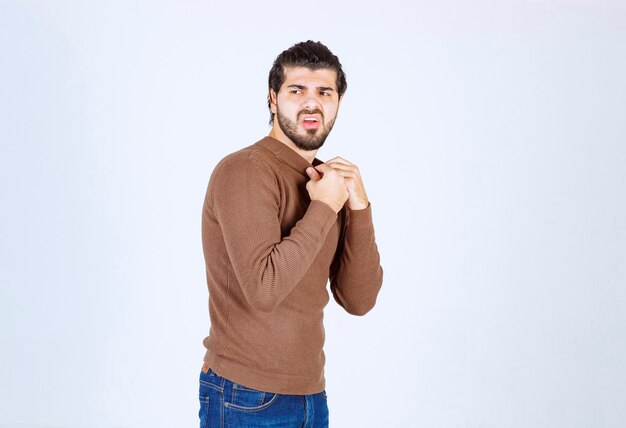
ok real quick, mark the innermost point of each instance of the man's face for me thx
(306, 106)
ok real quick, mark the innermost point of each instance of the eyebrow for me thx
(319, 88)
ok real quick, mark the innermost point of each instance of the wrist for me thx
(330, 205)
(357, 206)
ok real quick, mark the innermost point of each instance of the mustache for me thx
(316, 111)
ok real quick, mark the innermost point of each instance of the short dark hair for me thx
(309, 54)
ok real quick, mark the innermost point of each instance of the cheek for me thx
(331, 106)
(330, 110)
(287, 109)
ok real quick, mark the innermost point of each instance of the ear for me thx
(272, 100)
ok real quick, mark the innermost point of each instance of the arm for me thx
(355, 274)
(245, 195)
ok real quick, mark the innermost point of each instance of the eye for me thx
(325, 93)
(295, 91)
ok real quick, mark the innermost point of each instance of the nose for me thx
(311, 102)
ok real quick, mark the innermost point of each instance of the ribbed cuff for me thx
(322, 213)
(361, 218)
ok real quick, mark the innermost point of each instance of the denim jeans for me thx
(225, 404)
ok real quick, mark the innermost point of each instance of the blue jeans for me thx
(225, 404)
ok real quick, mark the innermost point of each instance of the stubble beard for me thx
(311, 140)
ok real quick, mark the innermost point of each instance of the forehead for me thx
(307, 77)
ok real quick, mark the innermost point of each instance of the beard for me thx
(312, 139)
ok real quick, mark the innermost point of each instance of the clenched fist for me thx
(327, 185)
(352, 177)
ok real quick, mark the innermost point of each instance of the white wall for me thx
(492, 139)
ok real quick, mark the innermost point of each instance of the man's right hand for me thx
(326, 185)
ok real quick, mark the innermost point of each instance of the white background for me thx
(492, 140)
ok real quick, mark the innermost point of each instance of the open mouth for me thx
(310, 121)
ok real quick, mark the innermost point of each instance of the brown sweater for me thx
(269, 253)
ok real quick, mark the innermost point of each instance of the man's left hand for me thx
(352, 177)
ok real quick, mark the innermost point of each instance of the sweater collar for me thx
(287, 155)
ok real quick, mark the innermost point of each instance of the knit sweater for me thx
(269, 253)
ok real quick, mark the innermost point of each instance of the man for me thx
(277, 224)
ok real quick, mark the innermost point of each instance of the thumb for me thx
(313, 174)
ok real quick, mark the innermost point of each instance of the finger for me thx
(346, 173)
(339, 159)
(351, 172)
(343, 166)
(323, 168)
(313, 174)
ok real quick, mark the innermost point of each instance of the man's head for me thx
(306, 84)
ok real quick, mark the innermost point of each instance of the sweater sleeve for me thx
(245, 195)
(356, 275)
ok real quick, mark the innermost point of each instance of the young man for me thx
(277, 224)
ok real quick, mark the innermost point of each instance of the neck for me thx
(277, 134)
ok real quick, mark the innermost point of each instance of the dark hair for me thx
(309, 54)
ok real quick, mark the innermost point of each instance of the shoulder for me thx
(253, 157)
(251, 169)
